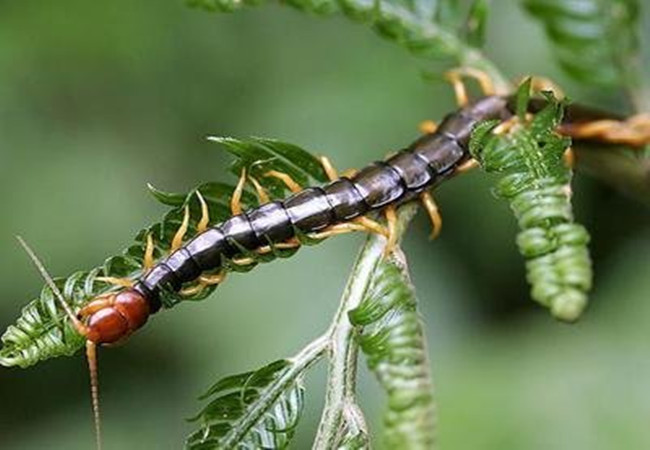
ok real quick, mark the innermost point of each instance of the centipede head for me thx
(112, 318)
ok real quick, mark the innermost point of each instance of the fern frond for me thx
(536, 182)
(392, 338)
(257, 409)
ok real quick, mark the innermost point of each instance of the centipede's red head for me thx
(114, 317)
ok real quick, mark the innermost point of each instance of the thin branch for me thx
(343, 350)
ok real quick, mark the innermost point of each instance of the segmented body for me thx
(400, 178)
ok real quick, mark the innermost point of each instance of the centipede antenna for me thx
(81, 328)
(91, 356)
(91, 353)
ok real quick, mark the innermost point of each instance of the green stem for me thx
(340, 398)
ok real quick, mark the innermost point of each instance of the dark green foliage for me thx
(536, 182)
(595, 41)
(251, 410)
(42, 331)
(392, 338)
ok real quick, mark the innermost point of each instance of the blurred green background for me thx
(99, 98)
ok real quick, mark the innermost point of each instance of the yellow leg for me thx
(148, 261)
(427, 127)
(372, 226)
(455, 77)
(539, 84)
(235, 201)
(468, 165)
(205, 214)
(244, 261)
(460, 91)
(484, 80)
(391, 219)
(291, 243)
(570, 158)
(349, 173)
(506, 126)
(96, 305)
(634, 131)
(192, 290)
(122, 282)
(209, 280)
(204, 281)
(335, 230)
(640, 126)
(264, 250)
(331, 172)
(360, 223)
(261, 193)
(434, 214)
(177, 241)
(289, 182)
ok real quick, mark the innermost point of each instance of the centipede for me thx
(365, 200)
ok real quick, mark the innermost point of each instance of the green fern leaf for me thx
(536, 182)
(595, 41)
(257, 409)
(392, 338)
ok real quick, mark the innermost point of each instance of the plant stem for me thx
(340, 398)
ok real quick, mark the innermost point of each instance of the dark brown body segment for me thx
(422, 165)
